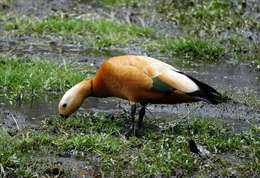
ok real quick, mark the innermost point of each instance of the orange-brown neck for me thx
(93, 87)
(86, 88)
(99, 87)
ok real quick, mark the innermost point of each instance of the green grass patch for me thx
(246, 96)
(193, 48)
(219, 20)
(161, 150)
(103, 33)
(207, 30)
(100, 33)
(23, 79)
(117, 3)
(209, 16)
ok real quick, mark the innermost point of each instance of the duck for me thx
(138, 79)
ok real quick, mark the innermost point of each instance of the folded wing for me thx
(168, 79)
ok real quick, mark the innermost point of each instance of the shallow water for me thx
(229, 76)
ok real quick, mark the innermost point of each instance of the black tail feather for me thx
(206, 93)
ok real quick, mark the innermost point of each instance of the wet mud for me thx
(72, 164)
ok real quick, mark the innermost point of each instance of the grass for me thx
(104, 33)
(120, 3)
(100, 33)
(246, 97)
(209, 16)
(23, 79)
(163, 150)
(218, 20)
(206, 29)
(193, 48)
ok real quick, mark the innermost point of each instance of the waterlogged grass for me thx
(16, 161)
(22, 79)
(246, 97)
(163, 148)
(118, 3)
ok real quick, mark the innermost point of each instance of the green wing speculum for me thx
(161, 86)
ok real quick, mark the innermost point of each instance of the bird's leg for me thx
(132, 129)
(141, 117)
(133, 110)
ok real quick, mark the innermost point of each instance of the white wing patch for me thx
(153, 70)
(158, 62)
(180, 81)
(169, 75)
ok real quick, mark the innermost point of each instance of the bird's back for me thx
(144, 79)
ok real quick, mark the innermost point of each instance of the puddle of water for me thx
(27, 114)
(236, 116)
(78, 168)
(229, 76)
(60, 52)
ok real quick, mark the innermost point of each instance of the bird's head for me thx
(74, 97)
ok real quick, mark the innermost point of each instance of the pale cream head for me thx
(74, 97)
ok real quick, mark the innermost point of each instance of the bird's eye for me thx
(64, 105)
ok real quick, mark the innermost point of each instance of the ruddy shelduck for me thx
(139, 79)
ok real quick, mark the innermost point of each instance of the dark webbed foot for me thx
(110, 116)
(130, 132)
